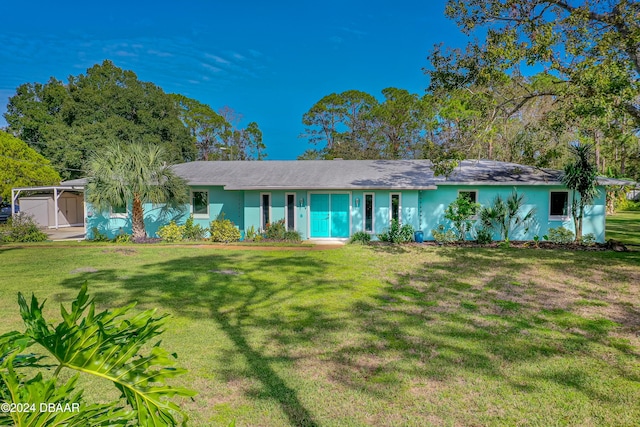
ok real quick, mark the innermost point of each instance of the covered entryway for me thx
(329, 215)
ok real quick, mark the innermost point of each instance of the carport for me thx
(50, 215)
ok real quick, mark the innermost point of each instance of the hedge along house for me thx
(334, 199)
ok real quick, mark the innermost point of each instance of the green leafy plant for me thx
(441, 236)
(21, 228)
(123, 238)
(588, 239)
(192, 231)
(360, 237)
(396, 233)
(460, 212)
(223, 230)
(104, 345)
(171, 232)
(292, 236)
(250, 234)
(275, 230)
(98, 236)
(560, 235)
(505, 215)
(484, 236)
(536, 241)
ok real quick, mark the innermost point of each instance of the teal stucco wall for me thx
(424, 210)
(434, 203)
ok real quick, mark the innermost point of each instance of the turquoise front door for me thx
(319, 205)
(329, 215)
(340, 215)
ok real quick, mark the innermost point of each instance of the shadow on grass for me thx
(465, 313)
(474, 314)
(240, 294)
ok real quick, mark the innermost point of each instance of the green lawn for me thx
(371, 336)
(625, 227)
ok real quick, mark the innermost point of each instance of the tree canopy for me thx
(66, 122)
(587, 58)
(22, 166)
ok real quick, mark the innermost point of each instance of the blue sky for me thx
(269, 61)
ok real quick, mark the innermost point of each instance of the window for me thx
(395, 207)
(200, 204)
(265, 210)
(368, 213)
(472, 195)
(559, 203)
(118, 211)
(291, 211)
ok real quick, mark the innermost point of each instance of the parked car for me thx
(5, 211)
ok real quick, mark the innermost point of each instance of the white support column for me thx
(14, 196)
(55, 204)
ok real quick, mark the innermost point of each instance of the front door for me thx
(329, 215)
(340, 215)
(319, 215)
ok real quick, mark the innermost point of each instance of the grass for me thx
(625, 227)
(370, 335)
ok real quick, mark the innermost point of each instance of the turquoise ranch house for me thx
(333, 199)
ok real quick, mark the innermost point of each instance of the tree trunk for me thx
(137, 219)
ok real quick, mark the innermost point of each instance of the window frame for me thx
(124, 214)
(477, 193)
(565, 217)
(193, 206)
(263, 225)
(399, 207)
(286, 211)
(373, 213)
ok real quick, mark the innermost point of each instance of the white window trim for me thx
(199, 215)
(399, 207)
(471, 190)
(263, 226)
(286, 210)
(566, 217)
(373, 212)
(113, 214)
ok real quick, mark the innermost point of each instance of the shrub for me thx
(21, 228)
(485, 236)
(223, 230)
(171, 232)
(461, 212)
(250, 233)
(192, 231)
(560, 235)
(98, 236)
(360, 237)
(275, 230)
(123, 238)
(442, 236)
(588, 239)
(292, 236)
(397, 233)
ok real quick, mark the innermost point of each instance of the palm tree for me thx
(136, 172)
(505, 214)
(581, 177)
